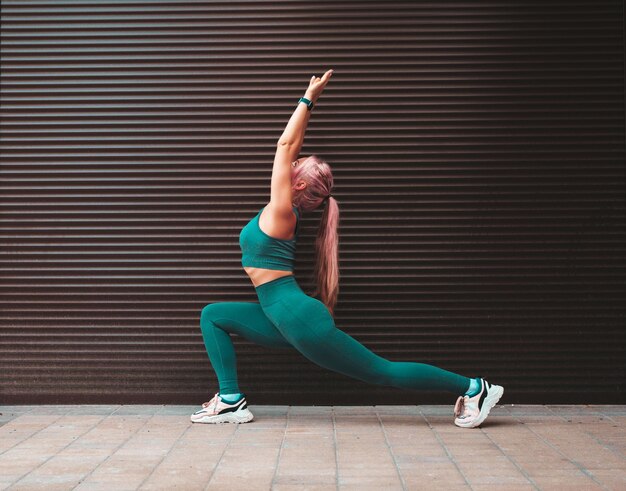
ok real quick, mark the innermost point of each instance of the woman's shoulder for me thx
(280, 212)
(277, 223)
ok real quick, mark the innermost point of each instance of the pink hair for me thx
(319, 178)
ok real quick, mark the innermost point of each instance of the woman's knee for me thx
(207, 310)
(209, 314)
(217, 309)
(206, 313)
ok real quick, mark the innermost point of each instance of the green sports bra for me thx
(260, 250)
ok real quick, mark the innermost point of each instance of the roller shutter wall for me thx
(478, 151)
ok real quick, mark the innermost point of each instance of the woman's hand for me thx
(316, 86)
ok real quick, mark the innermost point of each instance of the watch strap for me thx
(309, 104)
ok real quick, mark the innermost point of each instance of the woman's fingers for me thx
(317, 84)
(324, 78)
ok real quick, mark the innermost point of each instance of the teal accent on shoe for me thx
(474, 387)
(231, 398)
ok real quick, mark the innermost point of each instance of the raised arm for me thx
(289, 145)
(293, 136)
(296, 127)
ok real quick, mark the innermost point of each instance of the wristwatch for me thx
(309, 104)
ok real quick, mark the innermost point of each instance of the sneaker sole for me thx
(238, 417)
(490, 401)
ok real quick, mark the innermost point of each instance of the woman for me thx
(286, 317)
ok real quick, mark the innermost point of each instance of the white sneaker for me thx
(470, 412)
(219, 411)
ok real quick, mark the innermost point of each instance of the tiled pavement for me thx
(115, 448)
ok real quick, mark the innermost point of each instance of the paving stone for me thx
(500, 487)
(93, 409)
(612, 478)
(56, 482)
(138, 409)
(501, 472)
(304, 487)
(185, 468)
(306, 478)
(424, 475)
(383, 480)
(609, 409)
(9, 413)
(561, 479)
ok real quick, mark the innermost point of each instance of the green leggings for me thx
(288, 318)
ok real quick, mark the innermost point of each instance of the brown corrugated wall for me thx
(478, 151)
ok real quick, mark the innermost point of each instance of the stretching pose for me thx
(286, 317)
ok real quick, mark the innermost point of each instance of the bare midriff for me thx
(262, 275)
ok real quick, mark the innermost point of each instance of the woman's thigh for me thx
(289, 311)
(309, 326)
(246, 319)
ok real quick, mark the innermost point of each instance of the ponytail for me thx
(327, 256)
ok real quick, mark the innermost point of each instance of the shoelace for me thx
(212, 401)
(459, 407)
